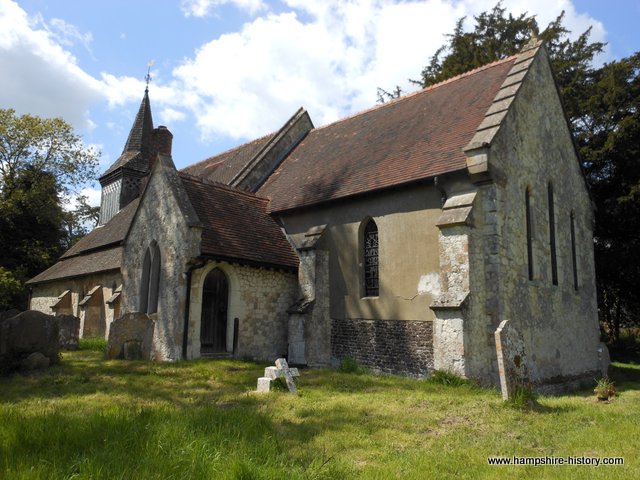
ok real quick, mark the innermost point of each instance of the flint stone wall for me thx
(385, 346)
(161, 217)
(259, 298)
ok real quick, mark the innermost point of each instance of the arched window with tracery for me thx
(371, 259)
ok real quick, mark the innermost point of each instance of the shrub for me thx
(605, 389)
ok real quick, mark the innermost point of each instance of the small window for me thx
(574, 255)
(527, 200)
(552, 236)
(371, 263)
(150, 281)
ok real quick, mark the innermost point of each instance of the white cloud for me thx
(327, 55)
(93, 195)
(39, 75)
(169, 115)
(202, 8)
(67, 34)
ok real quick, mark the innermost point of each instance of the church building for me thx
(401, 237)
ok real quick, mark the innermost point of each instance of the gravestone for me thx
(69, 331)
(281, 370)
(512, 359)
(131, 337)
(29, 332)
(7, 314)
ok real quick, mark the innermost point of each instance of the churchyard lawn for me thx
(93, 419)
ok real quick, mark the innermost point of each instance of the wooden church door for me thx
(213, 324)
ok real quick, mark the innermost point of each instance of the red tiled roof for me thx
(413, 138)
(95, 262)
(236, 225)
(113, 232)
(225, 166)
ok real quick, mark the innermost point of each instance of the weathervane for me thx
(148, 76)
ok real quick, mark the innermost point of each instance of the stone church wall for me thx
(160, 218)
(45, 295)
(259, 299)
(559, 323)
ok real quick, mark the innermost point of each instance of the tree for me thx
(41, 162)
(608, 140)
(497, 36)
(48, 145)
(603, 109)
(77, 223)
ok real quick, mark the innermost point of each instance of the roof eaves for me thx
(365, 193)
(35, 281)
(251, 263)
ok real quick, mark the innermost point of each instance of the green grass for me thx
(93, 419)
(95, 344)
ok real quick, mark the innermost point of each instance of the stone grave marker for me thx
(512, 359)
(281, 370)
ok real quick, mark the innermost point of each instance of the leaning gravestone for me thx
(131, 337)
(512, 359)
(27, 333)
(281, 370)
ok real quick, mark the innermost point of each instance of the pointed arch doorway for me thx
(213, 324)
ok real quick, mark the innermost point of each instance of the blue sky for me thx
(227, 71)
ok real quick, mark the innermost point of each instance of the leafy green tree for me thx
(11, 290)
(42, 161)
(603, 109)
(497, 35)
(30, 224)
(46, 144)
(608, 140)
(77, 223)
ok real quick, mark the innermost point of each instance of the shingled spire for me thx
(121, 182)
(140, 136)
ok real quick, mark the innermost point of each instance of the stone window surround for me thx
(150, 282)
(529, 231)
(368, 292)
